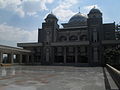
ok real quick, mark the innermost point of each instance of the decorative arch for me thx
(83, 37)
(73, 38)
(63, 38)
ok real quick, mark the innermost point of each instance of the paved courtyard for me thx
(51, 78)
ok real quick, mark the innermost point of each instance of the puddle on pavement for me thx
(16, 87)
(3, 73)
(50, 78)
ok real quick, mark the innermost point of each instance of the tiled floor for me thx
(51, 78)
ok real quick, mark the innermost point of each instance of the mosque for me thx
(82, 41)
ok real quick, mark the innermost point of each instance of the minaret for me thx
(95, 30)
(47, 35)
(49, 27)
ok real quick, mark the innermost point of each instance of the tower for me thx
(47, 35)
(95, 30)
(48, 32)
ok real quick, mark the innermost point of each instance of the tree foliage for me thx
(111, 55)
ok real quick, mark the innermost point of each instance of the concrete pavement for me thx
(51, 78)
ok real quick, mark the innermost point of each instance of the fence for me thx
(114, 73)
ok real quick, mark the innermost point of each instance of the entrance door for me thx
(59, 59)
(70, 59)
(82, 59)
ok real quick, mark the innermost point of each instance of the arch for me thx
(73, 38)
(83, 37)
(63, 38)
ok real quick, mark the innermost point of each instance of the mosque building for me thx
(82, 41)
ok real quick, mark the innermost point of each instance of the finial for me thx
(51, 12)
(79, 9)
(94, 7)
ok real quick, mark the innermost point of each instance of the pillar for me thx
(90, 55)
(27, 58)
(17, 59)
(95, 55)
(64, 55)
(76, 55)
(32, 59)
(10, 58)
(20, 58)
(1, 57)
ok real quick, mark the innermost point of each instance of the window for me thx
(63, 38)
(73, 38)
(83, 37)
(59, 49)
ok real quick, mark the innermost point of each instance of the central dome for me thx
(78, 18)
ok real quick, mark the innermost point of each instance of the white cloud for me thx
(9, 3)
(88, 8)
(31, 7)
(13, 6)
(49, 1)
(24, 7)
(11, 35)
(20, 12)
(31, 13)
(62, 11)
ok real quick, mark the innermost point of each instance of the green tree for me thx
(117, 30)
(112, 56)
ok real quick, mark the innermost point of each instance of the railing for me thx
(115, 74)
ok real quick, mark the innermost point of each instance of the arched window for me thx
(63, 38)
(73, 38)
(83, 37)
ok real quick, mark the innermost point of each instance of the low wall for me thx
(114, 73)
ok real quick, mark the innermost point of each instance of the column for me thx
(76, 54)
(32, 59)
(10, 58)
(20, 58)
(64, 55)
(27, 59)
(95, 55)
(17, 59)
(1, 57)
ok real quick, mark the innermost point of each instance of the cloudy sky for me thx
(20, 19)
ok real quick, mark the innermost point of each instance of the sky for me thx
(20, 19)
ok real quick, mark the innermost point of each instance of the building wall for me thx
(74, 35)
(92, 54)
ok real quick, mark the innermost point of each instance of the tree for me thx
(117, 30)
(112, 56)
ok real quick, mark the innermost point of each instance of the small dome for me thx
(78, 18)
(94, 10)
(51, 16)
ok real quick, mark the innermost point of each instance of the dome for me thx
(94, 10)
(51, 16)
(78, 18)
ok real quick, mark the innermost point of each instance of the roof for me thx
(51, 16)
(95, 10)
(77, 18)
